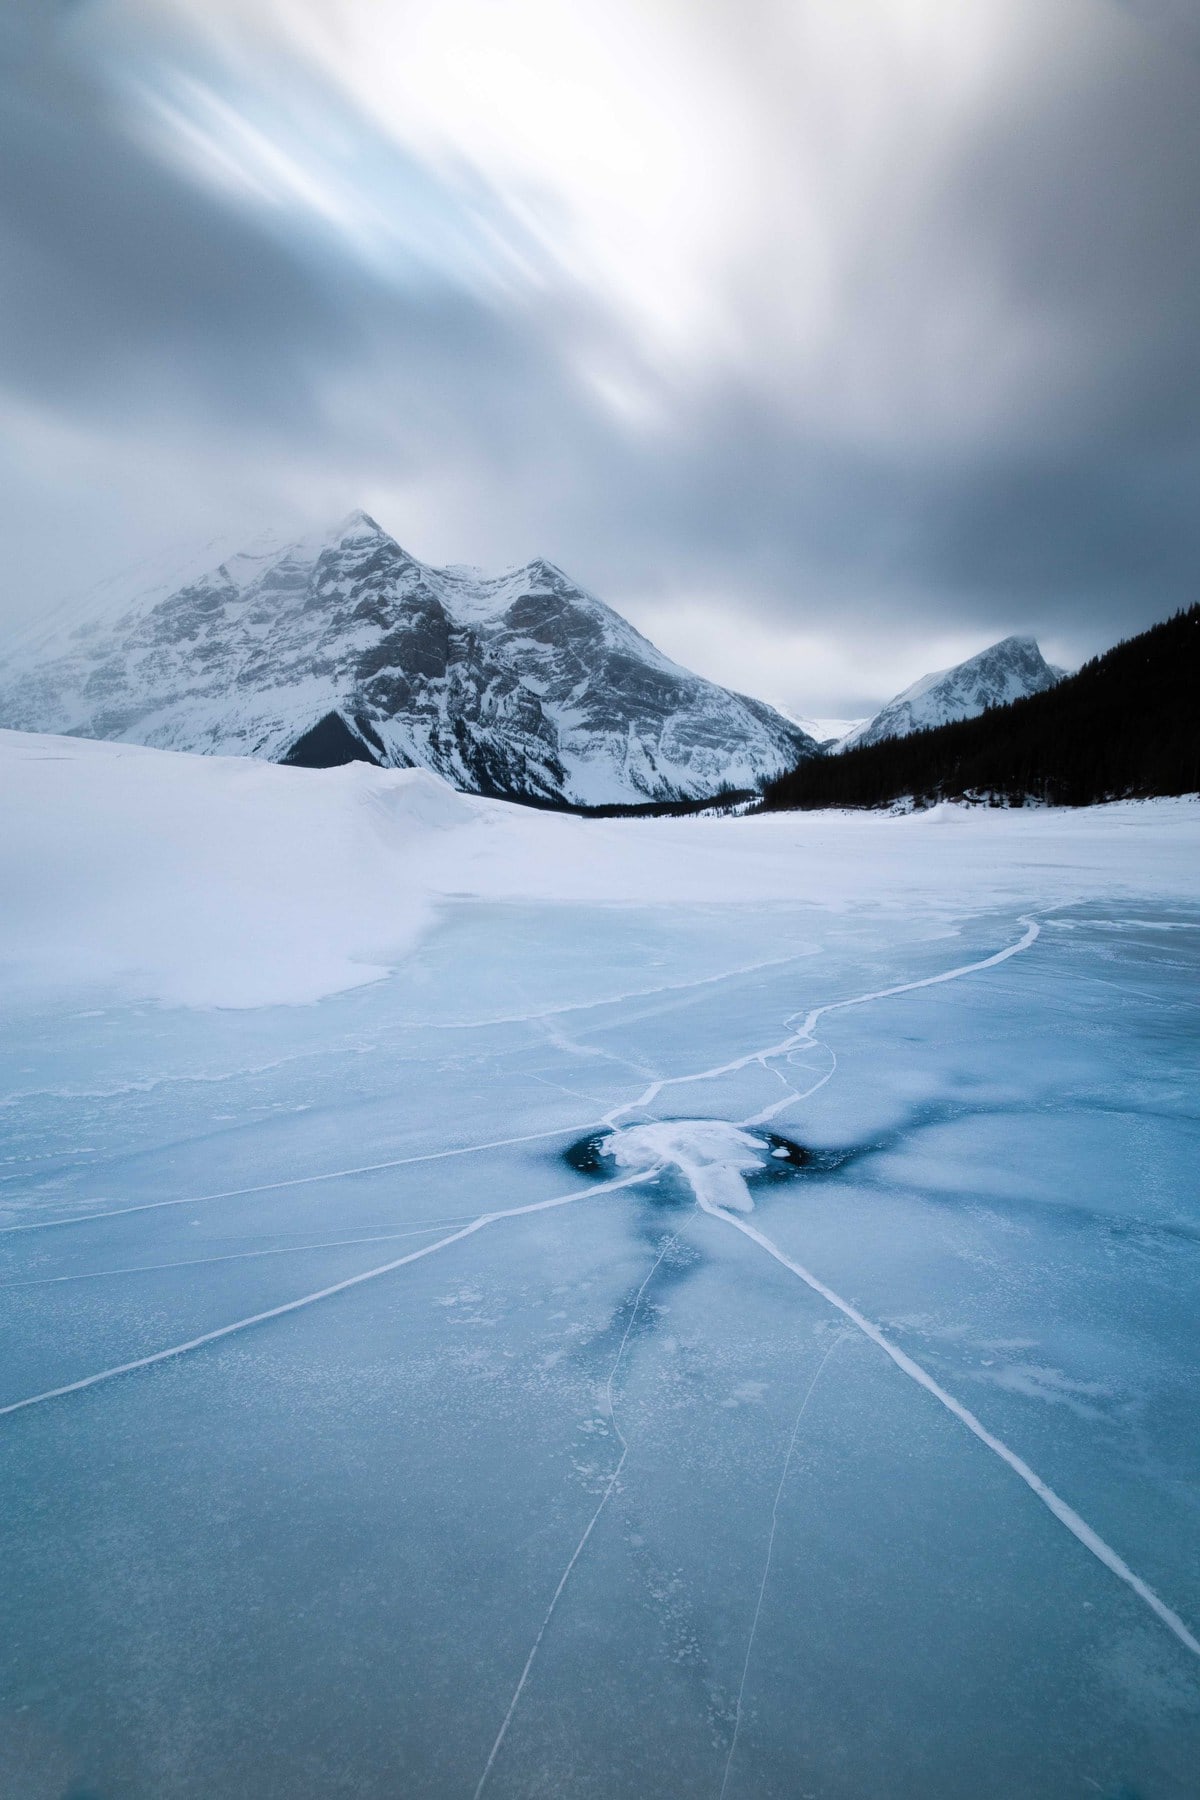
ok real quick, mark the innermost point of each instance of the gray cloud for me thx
(121, 278)
(1000, 429)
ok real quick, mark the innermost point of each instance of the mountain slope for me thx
(344, 647)
(1002, 673)
(1123, 725)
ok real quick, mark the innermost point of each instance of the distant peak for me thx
(1009, 669)
(357, 524)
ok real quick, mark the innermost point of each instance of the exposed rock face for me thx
(1006, 671)
(344, 647)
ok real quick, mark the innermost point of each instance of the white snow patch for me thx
(746, 1393)
(713, 1157)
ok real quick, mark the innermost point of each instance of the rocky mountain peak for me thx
(1005, 671)
(342, 645)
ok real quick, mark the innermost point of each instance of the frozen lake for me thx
(605, 1498)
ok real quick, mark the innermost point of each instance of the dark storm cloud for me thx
(1082, 208)
(127, 285)
(1021, 317)
(137, 303)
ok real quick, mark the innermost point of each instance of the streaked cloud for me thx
(846, 335)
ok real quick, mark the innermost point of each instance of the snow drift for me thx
(222, 882)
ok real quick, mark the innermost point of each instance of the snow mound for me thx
(410, 797)
(208, 881)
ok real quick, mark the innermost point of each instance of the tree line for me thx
(1126, 724)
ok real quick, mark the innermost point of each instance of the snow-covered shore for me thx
(229, 882)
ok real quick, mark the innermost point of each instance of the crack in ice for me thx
(716, 1177)
(762, 1586)
(325, 1293)
(575, 1006)
(723, 1194)
(608, 1121)
(805, 1034)
(1065, 1514)
(203, 1262)
(589, 1527)
(271, 1187)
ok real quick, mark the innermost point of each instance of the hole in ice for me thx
(783, 1150)
(709, 1157)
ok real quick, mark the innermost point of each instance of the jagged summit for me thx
(1007, 670)
(342, 645)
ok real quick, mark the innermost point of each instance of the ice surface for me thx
(488, 1476)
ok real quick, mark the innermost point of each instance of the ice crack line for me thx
(293, 1181)
(588, 1528)
(325, 1293)
(646, 993)
(609, 1120)
(762, 1586)
(202, 1262)
(805, 1034)
(1066, 1515)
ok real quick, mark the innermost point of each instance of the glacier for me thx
(361, 1436)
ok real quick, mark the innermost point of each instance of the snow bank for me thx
(206, 881)
(230, 882)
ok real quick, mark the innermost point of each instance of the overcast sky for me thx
(830, 340)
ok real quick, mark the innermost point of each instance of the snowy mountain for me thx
(344, 647)
(828, 733)
(1006, 671)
